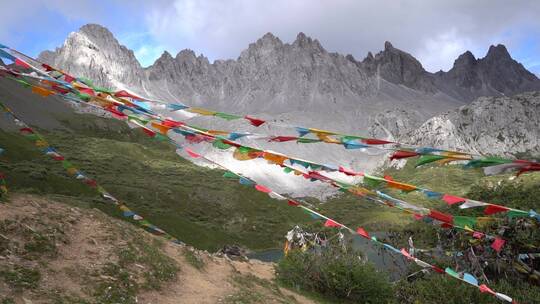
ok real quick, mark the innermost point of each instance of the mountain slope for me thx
(496, 125)
(54, 252)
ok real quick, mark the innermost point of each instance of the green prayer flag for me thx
(287, 170)
(517, 213)
(451, 272)
(103, 90)
(66, 164)
(229, 174)
(371, 181)
(425, 159)
(218, 143)
(462, 221)
(160, 137)
(303, 140)
(227, 116)
(347, 138)
(486, 162)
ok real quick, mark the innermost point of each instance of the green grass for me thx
(197, 205)
(193, 259)
(20, 277)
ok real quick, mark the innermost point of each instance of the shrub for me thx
(335, 274)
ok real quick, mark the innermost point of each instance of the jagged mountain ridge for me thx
(300, 83)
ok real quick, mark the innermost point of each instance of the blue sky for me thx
(435, 32)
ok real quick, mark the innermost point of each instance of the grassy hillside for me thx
(195, 204)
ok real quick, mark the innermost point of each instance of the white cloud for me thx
(434, 31)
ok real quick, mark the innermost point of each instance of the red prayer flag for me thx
(349, 172)
(26, 130)
(406, 254)
(478, 235)
(450, 199)
(47, 67)
(87, 91)
(331, 223)
(283, 138)
(402, 154)
(263, 189)
(362, 232)
(492, 209)
(60, 89)
(124, 93)
(292, 203)
(58, 157)
(149, 132)
(498, 244)
(418, 217)
(21, 63)
(437, 269)
(443, 217)
(531, 167)
(69, 78)
(374, 141)
(172, 123)
(192, 154)
(484, 288)
(254, 121)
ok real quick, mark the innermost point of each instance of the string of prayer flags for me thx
(240, 155)
(39, 141)
(349, 141)
(332, 223)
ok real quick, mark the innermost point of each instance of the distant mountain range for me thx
(387, 95)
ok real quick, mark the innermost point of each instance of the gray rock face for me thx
(497, 74)
(399, 67)
(489, 125)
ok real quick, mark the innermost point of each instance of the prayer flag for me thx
(492, 209)
(262, 188)
(402, 154)
(374, 141)
(22, 63)
(227, 116)
(469, 278)
(425, 159)
(331, 223)
(292, 203)
(254, 121)
(192, 154)
(302, 131)
(443, 217)
(450, 199)
(498, 244)
(176, 107)
(362, 232)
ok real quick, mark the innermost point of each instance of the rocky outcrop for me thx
(489, 125)
(497, 74)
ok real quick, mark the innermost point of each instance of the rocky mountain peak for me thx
(399, 67)
(498, 52)
(465, 59)
(303, 41)
(96, 31)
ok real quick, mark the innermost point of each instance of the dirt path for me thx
(86, 241)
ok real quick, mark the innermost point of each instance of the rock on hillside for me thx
(500, 125)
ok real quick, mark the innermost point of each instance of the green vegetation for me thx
(20, 277)
(336, 273)
(192, 203)
(193, 259)
(252, 290)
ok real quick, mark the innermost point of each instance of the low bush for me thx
(335, 273)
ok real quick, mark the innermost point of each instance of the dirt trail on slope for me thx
(52, 252)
